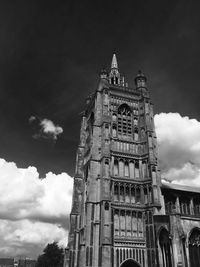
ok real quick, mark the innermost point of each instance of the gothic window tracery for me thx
(185, 205)
(138, 195)
(145, 196)
(114, 130)
(114, 117)
(135, 169)
(136, 134)
(196, 206)
(135, 121)
(131, 193)
(124, 120)
(194, 247)
(142, 134)
(137, 174)
(131, 168)
(128, 223)
(126, 169)
(165, 247)
(116, 168)
(116, 192)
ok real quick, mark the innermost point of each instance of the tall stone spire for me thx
(114, 76)
(114, 64)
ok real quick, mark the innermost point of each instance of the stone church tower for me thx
(117, 189)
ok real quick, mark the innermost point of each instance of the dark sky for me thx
(52, 51)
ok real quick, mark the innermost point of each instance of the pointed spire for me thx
(114, 76)
(114, 64)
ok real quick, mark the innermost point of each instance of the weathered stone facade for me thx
(121, 214)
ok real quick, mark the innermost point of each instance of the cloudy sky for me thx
(50, 55)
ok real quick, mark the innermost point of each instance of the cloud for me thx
(179, 148)
(33, 211)
(45, 128)
(49, 127)
(28, 238)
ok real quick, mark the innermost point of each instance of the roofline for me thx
(179, 187)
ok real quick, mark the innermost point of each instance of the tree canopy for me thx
(52, 256)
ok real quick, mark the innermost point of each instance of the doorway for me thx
(130, 263)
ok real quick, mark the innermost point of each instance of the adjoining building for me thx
(122, 216)
(6, 262)
(26, 263)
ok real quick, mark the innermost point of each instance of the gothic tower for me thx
(117, 182)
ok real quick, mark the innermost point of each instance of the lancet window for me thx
(194, 248)
(127, 147)
(135, 169)
(185, 205)
(196, 202)
(166, 249)
(143, 135)
(128, 223)
(135, 134)
(132, 193)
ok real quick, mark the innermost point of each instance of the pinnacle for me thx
(114, 64)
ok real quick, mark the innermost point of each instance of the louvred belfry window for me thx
(124, 120)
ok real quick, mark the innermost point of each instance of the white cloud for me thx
(27, 238)
(33, 211)
(49, 127)
(44, 128)
(31, 119)
(179, 147)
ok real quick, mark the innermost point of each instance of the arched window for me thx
(145, 196)
(131, 168)
(150, 195)
(134, 224)
(91, 122)
(137, 169)
(130, 263)
(138, 195)
(87, 256)
(184, 205)
(194, 248)
(122, 222)
(121, 168)
(132, 194)
(106, 131)
(121, 196)
(142, 134)
(136, 134)
(165, 247)
(124, 120)
(114, 117)
(116, 192)
(128, 223)
(116, 168)
(126, 169)
(127, 196)
(114, 130)
(140, 225)
(196, 206)
(116, 222)
(135, 121)
(144, 169)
